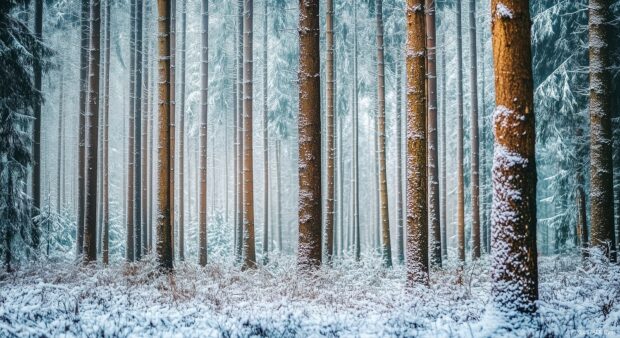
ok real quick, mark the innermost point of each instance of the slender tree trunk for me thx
(265, 137)
(433, 165)
(152, 150)
(329, 72)
(340, 154)
(355, 162)
(601, 164)
(90, 208)
(279, 195)
(473, 87)
(400, 237)
(249, 254)
(204, 105)
(484, 220)
(182, 135)
(106, 128)
(84, 42)
(130, 247)
(60, 142)
(514, 254)
(138, 136)
(164, 227)
(444, 94)
(417, 226)
(240, 185)
(386, 247)
(172, 119)
(459, 106)
(38, 75)
(145, 132)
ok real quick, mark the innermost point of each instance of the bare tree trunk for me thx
(433, 165)
(90, 207)
(84, 42)
(514, 254)
(265, 138)
(417, 216)
(279, 195)
(444, 94)
(400, 238)
(484, 220)
(182, 134)
(38, 75)
(355, 162)
(106, 129)
(473, 87)
(601, 164)
(240, 151)
(460, 141)
(130, 247)
(310, 217)
(164, 219)
(329, 72)
(138, 136)
(249, 254)
(59, 178)
(146, 115)
(172, 118)
(204, 108)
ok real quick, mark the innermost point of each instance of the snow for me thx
(352, 299)
(503, 11)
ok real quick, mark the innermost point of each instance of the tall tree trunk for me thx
(90, 208)
(146, 207)
(265, 137)
(138, 136)
(444, 143)
(279, 195)
(84, 36)
(249, 254)
(38, 74)
(172, 118)
(386, 247)
(240, 149)
(433, 164)
(355, 161)
(130, 244)
(601, 165)
(310, 217)
(204, 108)
(459, 150)
(329, 120)
(59, 178)
(484, 220)
(182, 134)
(417, 226)
(164, 227)
(400, 237)
(473, 87)
(514, 254)
(106, 128)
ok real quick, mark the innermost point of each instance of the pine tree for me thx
(514, 253)
(106, 152)
(459, 106)
(204, 98)
(473, 87)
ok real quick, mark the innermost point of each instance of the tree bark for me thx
(417, 220)
(265, 137)
(240, 149)
(249, 254)
(172, 119)
(433, 165)
(473, 87)
(130, 247)
(459, 137)
(38, 75)
(310, 216)
(182, 134)
(444, 191)
(105, 253)
(164, 219)
(84, 41)
(514, 253)
(90, 207)
(329, 121)
(59, 178)
(356, 238)
(138, 136)
(279, 195)
(601, 165)
(204, 105)
(400, 237)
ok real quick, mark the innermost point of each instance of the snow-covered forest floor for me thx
(352, 299)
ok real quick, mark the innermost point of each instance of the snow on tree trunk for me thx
(182, 133)
(329, 120)
(129, 245)
(105, 252)
(417, 216)
(601, 165)
(459, 147)
(475, 180)
(266, 189)
(513, 242)
(310, 217)
(204, 108)
(137, 192)
(84, 29)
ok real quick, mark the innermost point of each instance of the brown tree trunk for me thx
(138, 136)
(386, 247)
(459, 150)
(329, 120)
(84, 41)
(106, 128)
(601, 165)
(182, 134)
(129, 247)
(514, 254)
(164, 219)
(146, 116)
(265, 138)
(433, 165)
(417, 220)
(172, 118)
(204, 105)
(310, 216)
(249, 254)
(90, 207)
(473, 87)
